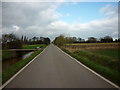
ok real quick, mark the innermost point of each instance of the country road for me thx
(55, 69)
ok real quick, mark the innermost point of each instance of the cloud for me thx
(42, 19)
(25, 14)
(28, 14)
(96, 28)
(109, 10)
(16, 27)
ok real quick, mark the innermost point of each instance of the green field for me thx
(103, 59)
(7, 55)
(108, 52)
(32, 46)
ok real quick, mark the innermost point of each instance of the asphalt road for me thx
(54, 69)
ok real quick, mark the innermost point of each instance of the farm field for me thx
(108, 52)
(103, 59)
(91, 43)
(90, 46)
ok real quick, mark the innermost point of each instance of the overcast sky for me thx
(50, 19)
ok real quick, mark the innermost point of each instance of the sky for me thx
(51, 19)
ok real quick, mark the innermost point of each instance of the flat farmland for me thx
(114, 52)
(91, 46)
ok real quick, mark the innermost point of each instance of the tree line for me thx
(35, 40)
(60, 40)
(11, 41)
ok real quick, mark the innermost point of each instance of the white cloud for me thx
(16, 27)
(26, 14)
(42, 19)
(109, 10)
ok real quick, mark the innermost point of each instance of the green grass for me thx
(7, 54)
(108, 52)
(32, 46)
(110, 62)
(103, 70)
(16, 67)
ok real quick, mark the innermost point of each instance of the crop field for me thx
(90, 43)
(91, 46)
(108, 52)
(104, 59)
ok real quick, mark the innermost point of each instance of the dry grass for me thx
(90, 43)
(90, 46)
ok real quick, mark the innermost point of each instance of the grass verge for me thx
(104, 60)
(108, 52)
(7, 74)
(108, 73)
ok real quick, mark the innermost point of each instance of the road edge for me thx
(108, 81)
(15, 75)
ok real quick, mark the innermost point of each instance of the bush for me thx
(11, 41)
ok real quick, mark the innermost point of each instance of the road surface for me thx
(55, 69)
